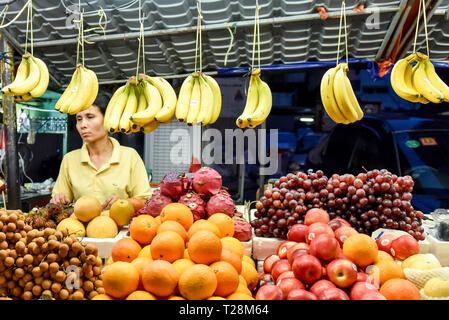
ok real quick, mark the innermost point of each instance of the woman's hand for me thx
(59, 198)
(108, 203)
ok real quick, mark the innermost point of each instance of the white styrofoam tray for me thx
(104, 245)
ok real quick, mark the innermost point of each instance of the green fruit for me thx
(437, 288)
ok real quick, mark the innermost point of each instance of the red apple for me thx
(283, 247)
(289, 284)
(297, 232)
(344, 233)
(300, 245)
(316, 215)
(373, 295)
(318, 228)
(337, 223)
(296, 253)
(325, 247)
(342, 272)
(404, 247)
(321, 285)
(384, 242)
(268, 262)
(307, 268)
(269, 292)
(301, 295)
(358, 289)
(284, 275)
(333, 294)
(279, 267)
(364, 277)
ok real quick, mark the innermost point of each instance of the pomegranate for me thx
(174, 184)
(195, 204)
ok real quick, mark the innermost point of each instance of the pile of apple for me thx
(310, 265)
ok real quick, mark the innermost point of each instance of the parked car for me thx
(417, 146)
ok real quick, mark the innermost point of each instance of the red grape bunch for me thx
(368, 201)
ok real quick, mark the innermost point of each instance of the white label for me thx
(354, 267)
(194, 102)
(75, 89)
(343, 238)
(385, 242)
(392, 252)
(311, 235)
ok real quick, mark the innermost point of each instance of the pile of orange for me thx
(173, 257)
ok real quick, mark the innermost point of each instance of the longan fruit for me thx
(10, 235)
(23, 234)
(11, 284)
(68, 241)
(17, 236)
(38, 280)
(53, 244)
(65, 264)
(36, 290)
(90, 248)
(75, 261)
(27, 228)
(77, 247)
(2, 280)
(83, 257)
(27, 259)
(47, 293)
(46, 274)
(20, 224)
(2, 236)
(48, 232)
(8, 273)
(28, 286)
(100, 290)
(19, 273)
(46, 284)
(91, 259)
(9, 261)
(63, 294)
(4, 245)
(11, 227)
(44, 248)
(60, 276)
(21, 282)
(96, 270)
(13, 253)
(37, 272)
(52, 257)
(13, 217)
(16, 292)
(3, 254)
(44, 266)
(53, 267)
(40, 241)
(20, 246)
(58, 235)
(56, 287)
(1, 224)
(77, 295)
(27, 295)
(88, 286)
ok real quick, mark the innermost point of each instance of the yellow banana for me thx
(84, 92)
(169, 98)
(117, 109)
(263, 107)
(130, 109)
(252, 100)
(73, 92)
(342, 95)
(216, 108)
(150, 127)
(435, 80)
(25, 97)
(423, 84)
(328, 96)
(154, 104)
(401, 79)
(110, 106)
(195, 102)
(142, 101)
(21, 87)
(182, 105)
(93, 90)
(206, 104)
(68, 92)
(44, 78)
(21, 75)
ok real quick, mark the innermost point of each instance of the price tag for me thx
(428, 141)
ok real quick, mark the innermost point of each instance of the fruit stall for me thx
(302, 235)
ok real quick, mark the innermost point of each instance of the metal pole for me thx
(10, 124)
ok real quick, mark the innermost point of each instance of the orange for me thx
(384, 270)
(121, 212)
(197, 282)
(239, 296)
(243, 289)
(137, 203)
(399, 289)
(86, 208)
(160, 277)
(249, 260)
(170, 225)
(140, 295)
(224, 223)
(250, 274)
(177, 212)
(242, 281)
(203, 225)
(233, 244)
(382, 255)
(143, 229)
(158, 220)
(182, 264)
(216, 298)
(120, 279)
(233, 258)
(126, 249)
(227, 278)
(204, 247)
(167, 245)
(102, 296)
(360, 249)
(140, 263)
(176, 298)
(146, 252)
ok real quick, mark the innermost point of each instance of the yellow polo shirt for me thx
(124, 175)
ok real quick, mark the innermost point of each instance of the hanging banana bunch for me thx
(32, 75)
(83, 87)
(419, 82)
(199, 98)
(336, 91)
(259, 98)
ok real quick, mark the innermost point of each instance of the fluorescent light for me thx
(306, 119)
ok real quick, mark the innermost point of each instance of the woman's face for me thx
(89, 124)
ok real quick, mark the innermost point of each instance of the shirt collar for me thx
(115, 158)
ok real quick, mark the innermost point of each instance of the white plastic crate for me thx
(104, 245)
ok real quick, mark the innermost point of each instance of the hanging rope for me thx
(342, 19)
(417, 27)
(231, 42)
(425, 27)
(256, 36)
(339, 34)
(198, 45)
(17, 16)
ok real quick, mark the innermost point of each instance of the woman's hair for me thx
(102, 101)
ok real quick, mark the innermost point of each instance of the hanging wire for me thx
(346, 32)
(417, 27)
(425, 27)
(256, 14)
(339, 34)
(198, 38)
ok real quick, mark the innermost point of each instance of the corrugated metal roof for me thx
(290, 32)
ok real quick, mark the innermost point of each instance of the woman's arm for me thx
(62, 190)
